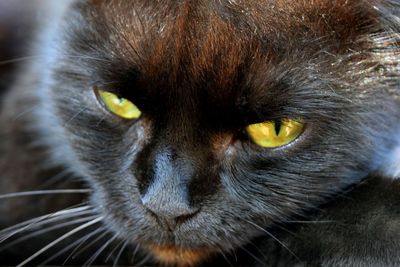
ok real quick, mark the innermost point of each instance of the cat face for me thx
(184, 178)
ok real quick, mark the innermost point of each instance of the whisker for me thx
(87, 57)
(253, 256)
(56, 178)
(234, 255)
(88, 245)
(99, 230)
(50, 245)
(134, 254)
(78, 242)
(59, 215)
(255, 248)
(100, 121)
(25, 58)
(283, 228)
(112, 251)
(46, 230)
(98, 252)
(27, 111)
(19, 59)
(144, 259)
(276, 239)
(312, 222)
(75, 115)
(120, 253)
(221, 252)
(46, 192)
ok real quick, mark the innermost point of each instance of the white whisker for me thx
(253, 256)
(144, 259)
(312, 222)
(100, 121)
(98, 252)
(134, 253)
(120, 253)
(25, 58)
(46, 230)
(276, 239)
(80, 228)
(86, 57)
(45, 192)
(74, 116)
(223, 254)
(88, 245)
(99, 230)
(115, 248)
(27, 111)
(77, 243)
(19, 59)
(59, 215)
(56, 178)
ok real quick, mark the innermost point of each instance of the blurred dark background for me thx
(18, 22)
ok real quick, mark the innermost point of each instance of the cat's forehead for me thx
(340, 18)
(214, 45)
(205, 29)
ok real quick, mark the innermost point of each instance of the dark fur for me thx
(201, 71)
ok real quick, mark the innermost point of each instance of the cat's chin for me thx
(172, 255)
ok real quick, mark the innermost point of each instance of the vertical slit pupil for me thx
(277, 126)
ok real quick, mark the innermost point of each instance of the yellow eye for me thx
(119, 106)
(272, 134)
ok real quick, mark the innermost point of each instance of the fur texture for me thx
(183, 182)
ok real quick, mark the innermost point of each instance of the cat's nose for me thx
(169, 213)
(167, 196)
(168, 204)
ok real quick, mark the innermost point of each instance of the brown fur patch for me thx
(182, 44)
(180, 257)
(338, 18)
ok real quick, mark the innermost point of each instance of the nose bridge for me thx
(182, 127)
(167, 195)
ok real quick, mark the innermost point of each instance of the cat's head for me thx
(176, 163)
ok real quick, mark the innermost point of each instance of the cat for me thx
(207, 133)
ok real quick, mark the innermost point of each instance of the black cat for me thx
(252, 133)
